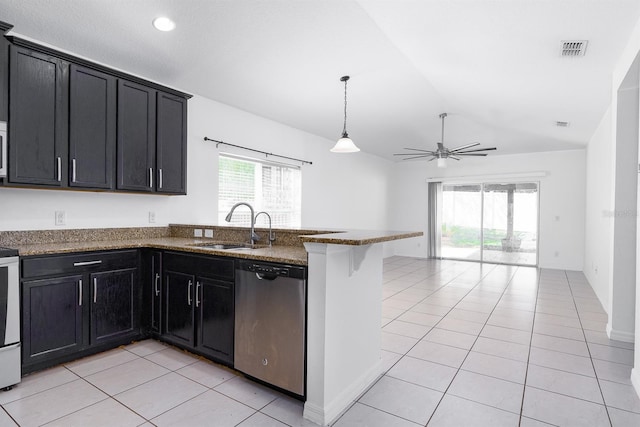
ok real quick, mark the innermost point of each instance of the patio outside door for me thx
(495, 223)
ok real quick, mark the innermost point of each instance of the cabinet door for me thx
(113, 300)
(216, 318)
(179, 308)
(39, 118)
(4, 73)
(51, 318)
(171, 144)
(136, 140)
(92, 128)
(154, 291)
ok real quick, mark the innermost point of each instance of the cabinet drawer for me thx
(209, 266)
(79, 262)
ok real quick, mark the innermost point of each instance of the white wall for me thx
(562, 200)
(338, 190)
(599, 208)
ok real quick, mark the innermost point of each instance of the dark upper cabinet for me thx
(136, 140)
(171, 147)
(92, 128)
(4, 72)
(38, 111)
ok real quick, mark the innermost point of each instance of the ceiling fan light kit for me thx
(345, 144)
(443, 153)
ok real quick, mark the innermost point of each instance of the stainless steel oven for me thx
(3, 149)
(10, 368)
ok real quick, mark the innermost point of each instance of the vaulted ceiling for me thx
(493, 65)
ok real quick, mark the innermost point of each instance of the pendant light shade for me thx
(442, 162)
(345, 144)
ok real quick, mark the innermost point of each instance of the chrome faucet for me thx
(253, 237)
(272, 237)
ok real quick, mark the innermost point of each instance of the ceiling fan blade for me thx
(462, 147)
(453, 157)
(476, 150)
(426, 153)
(418, 149)
(471, 154)
(418, 157)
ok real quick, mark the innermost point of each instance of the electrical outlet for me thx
(152, 217)
(208, 233)
(197, 232)
(61, 217)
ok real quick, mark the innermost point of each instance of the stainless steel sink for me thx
(225, 246)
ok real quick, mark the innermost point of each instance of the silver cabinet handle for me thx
(80, 292)
(83, 263)
(95, 290)
(189, 292)
(159, 178)
(151, 177)
(59, 168)
(156, 284)
(73, 170)
(197, 293)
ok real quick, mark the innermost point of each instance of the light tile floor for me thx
(464, 344)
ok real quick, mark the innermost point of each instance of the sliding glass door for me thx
(490, 222)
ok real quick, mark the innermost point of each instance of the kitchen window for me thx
(267, 186)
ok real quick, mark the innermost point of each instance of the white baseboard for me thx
(620, 335)
(335, 408)
(635, 380)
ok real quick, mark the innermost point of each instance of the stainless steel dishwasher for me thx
(270, 323)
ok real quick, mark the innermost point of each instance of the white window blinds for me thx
(271, 187)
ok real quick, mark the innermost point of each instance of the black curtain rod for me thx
(256, 151)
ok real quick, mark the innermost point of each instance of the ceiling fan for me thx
(443, 153)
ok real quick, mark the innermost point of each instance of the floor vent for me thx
(573, 48)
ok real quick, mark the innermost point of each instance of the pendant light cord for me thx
(344, 128)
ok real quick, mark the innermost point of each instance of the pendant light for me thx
(345, 144)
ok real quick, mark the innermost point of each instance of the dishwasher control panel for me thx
(269, 269)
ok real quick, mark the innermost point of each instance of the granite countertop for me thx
(292, 252)
(284, 254)
(360, 237)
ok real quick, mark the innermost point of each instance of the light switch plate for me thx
(208, 233)
(197, 232)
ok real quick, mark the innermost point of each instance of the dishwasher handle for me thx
(266, 276)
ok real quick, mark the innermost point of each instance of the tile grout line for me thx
(593, 366)
(474, 342)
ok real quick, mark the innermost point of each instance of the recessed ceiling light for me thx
(164, 24)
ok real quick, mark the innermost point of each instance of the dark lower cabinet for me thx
(52, 323)
(198, 309)
(216, 320)
(65, 316)
(179, 307)
(112, 308)
(152, 291)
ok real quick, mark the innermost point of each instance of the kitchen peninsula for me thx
(343, 299)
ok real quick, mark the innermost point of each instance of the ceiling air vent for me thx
(573, 47)
(562, 124)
